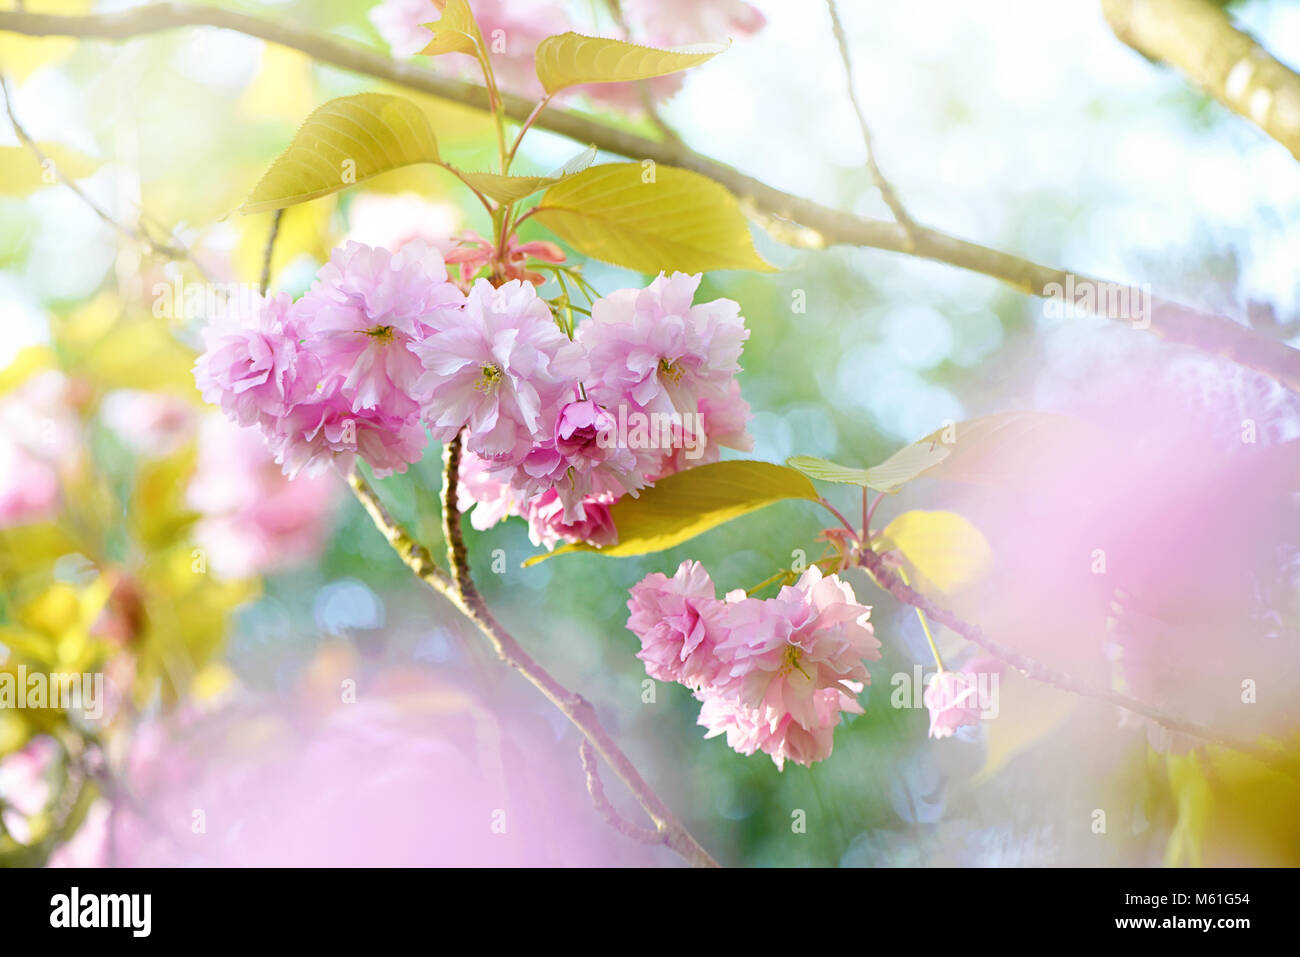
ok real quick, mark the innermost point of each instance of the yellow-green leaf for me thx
(889, 476)
(456, 32)
(571, 59)
(21, 172)
(650, 219)
(942, 547)
(511, 189)
(343, 142)
(689, 503)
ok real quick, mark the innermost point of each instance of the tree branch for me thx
(141, 235)
(1035, 670)
(606, 810)
(886, 190)
(460, 590)
(791, 219)
(1225, 61)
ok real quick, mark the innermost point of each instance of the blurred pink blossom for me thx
(253, 519)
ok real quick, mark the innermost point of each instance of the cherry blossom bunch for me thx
(560, 419)
(773, 674)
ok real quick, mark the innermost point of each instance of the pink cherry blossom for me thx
(654, 351)
(502, 368)
(487, 494)
(29, 486)
(41, 443)
(313, 436)
(254, 520)
(798, 659)
(723, 424)
(483, 493)
(679, 621)
(953, 700)
(363, 314)
(548, 527)
(253, 364)
(678, 22)
(574, 462)
(776, 734)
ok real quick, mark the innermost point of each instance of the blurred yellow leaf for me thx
(942, 547)
(305, 229)
(26, 363)
(21, 172)
(283, 88)
(140, 353)
(1233, 810)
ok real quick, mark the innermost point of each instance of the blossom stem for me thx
(839, 515)
(925, 627)
(528, 122)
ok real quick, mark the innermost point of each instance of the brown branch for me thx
(270, 250)
(1199, 38)
(636, 832)
(460, 590)
(1035, 670)
(791, 219)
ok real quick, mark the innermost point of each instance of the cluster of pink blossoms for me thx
(556, 427)
(773, 674)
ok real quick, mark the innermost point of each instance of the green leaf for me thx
(511, 189)
(22, 173)
(942, 547)
(998, 449)
(650, 219)
(343, 142)
(689, 503)
(456, 32)
(889, 476)
(571, 59)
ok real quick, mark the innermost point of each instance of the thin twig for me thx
(789, 218)
(1037, 671)
(137, 235)
(886, 190)
(458, 587)
(270, 251)
(646, 835)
